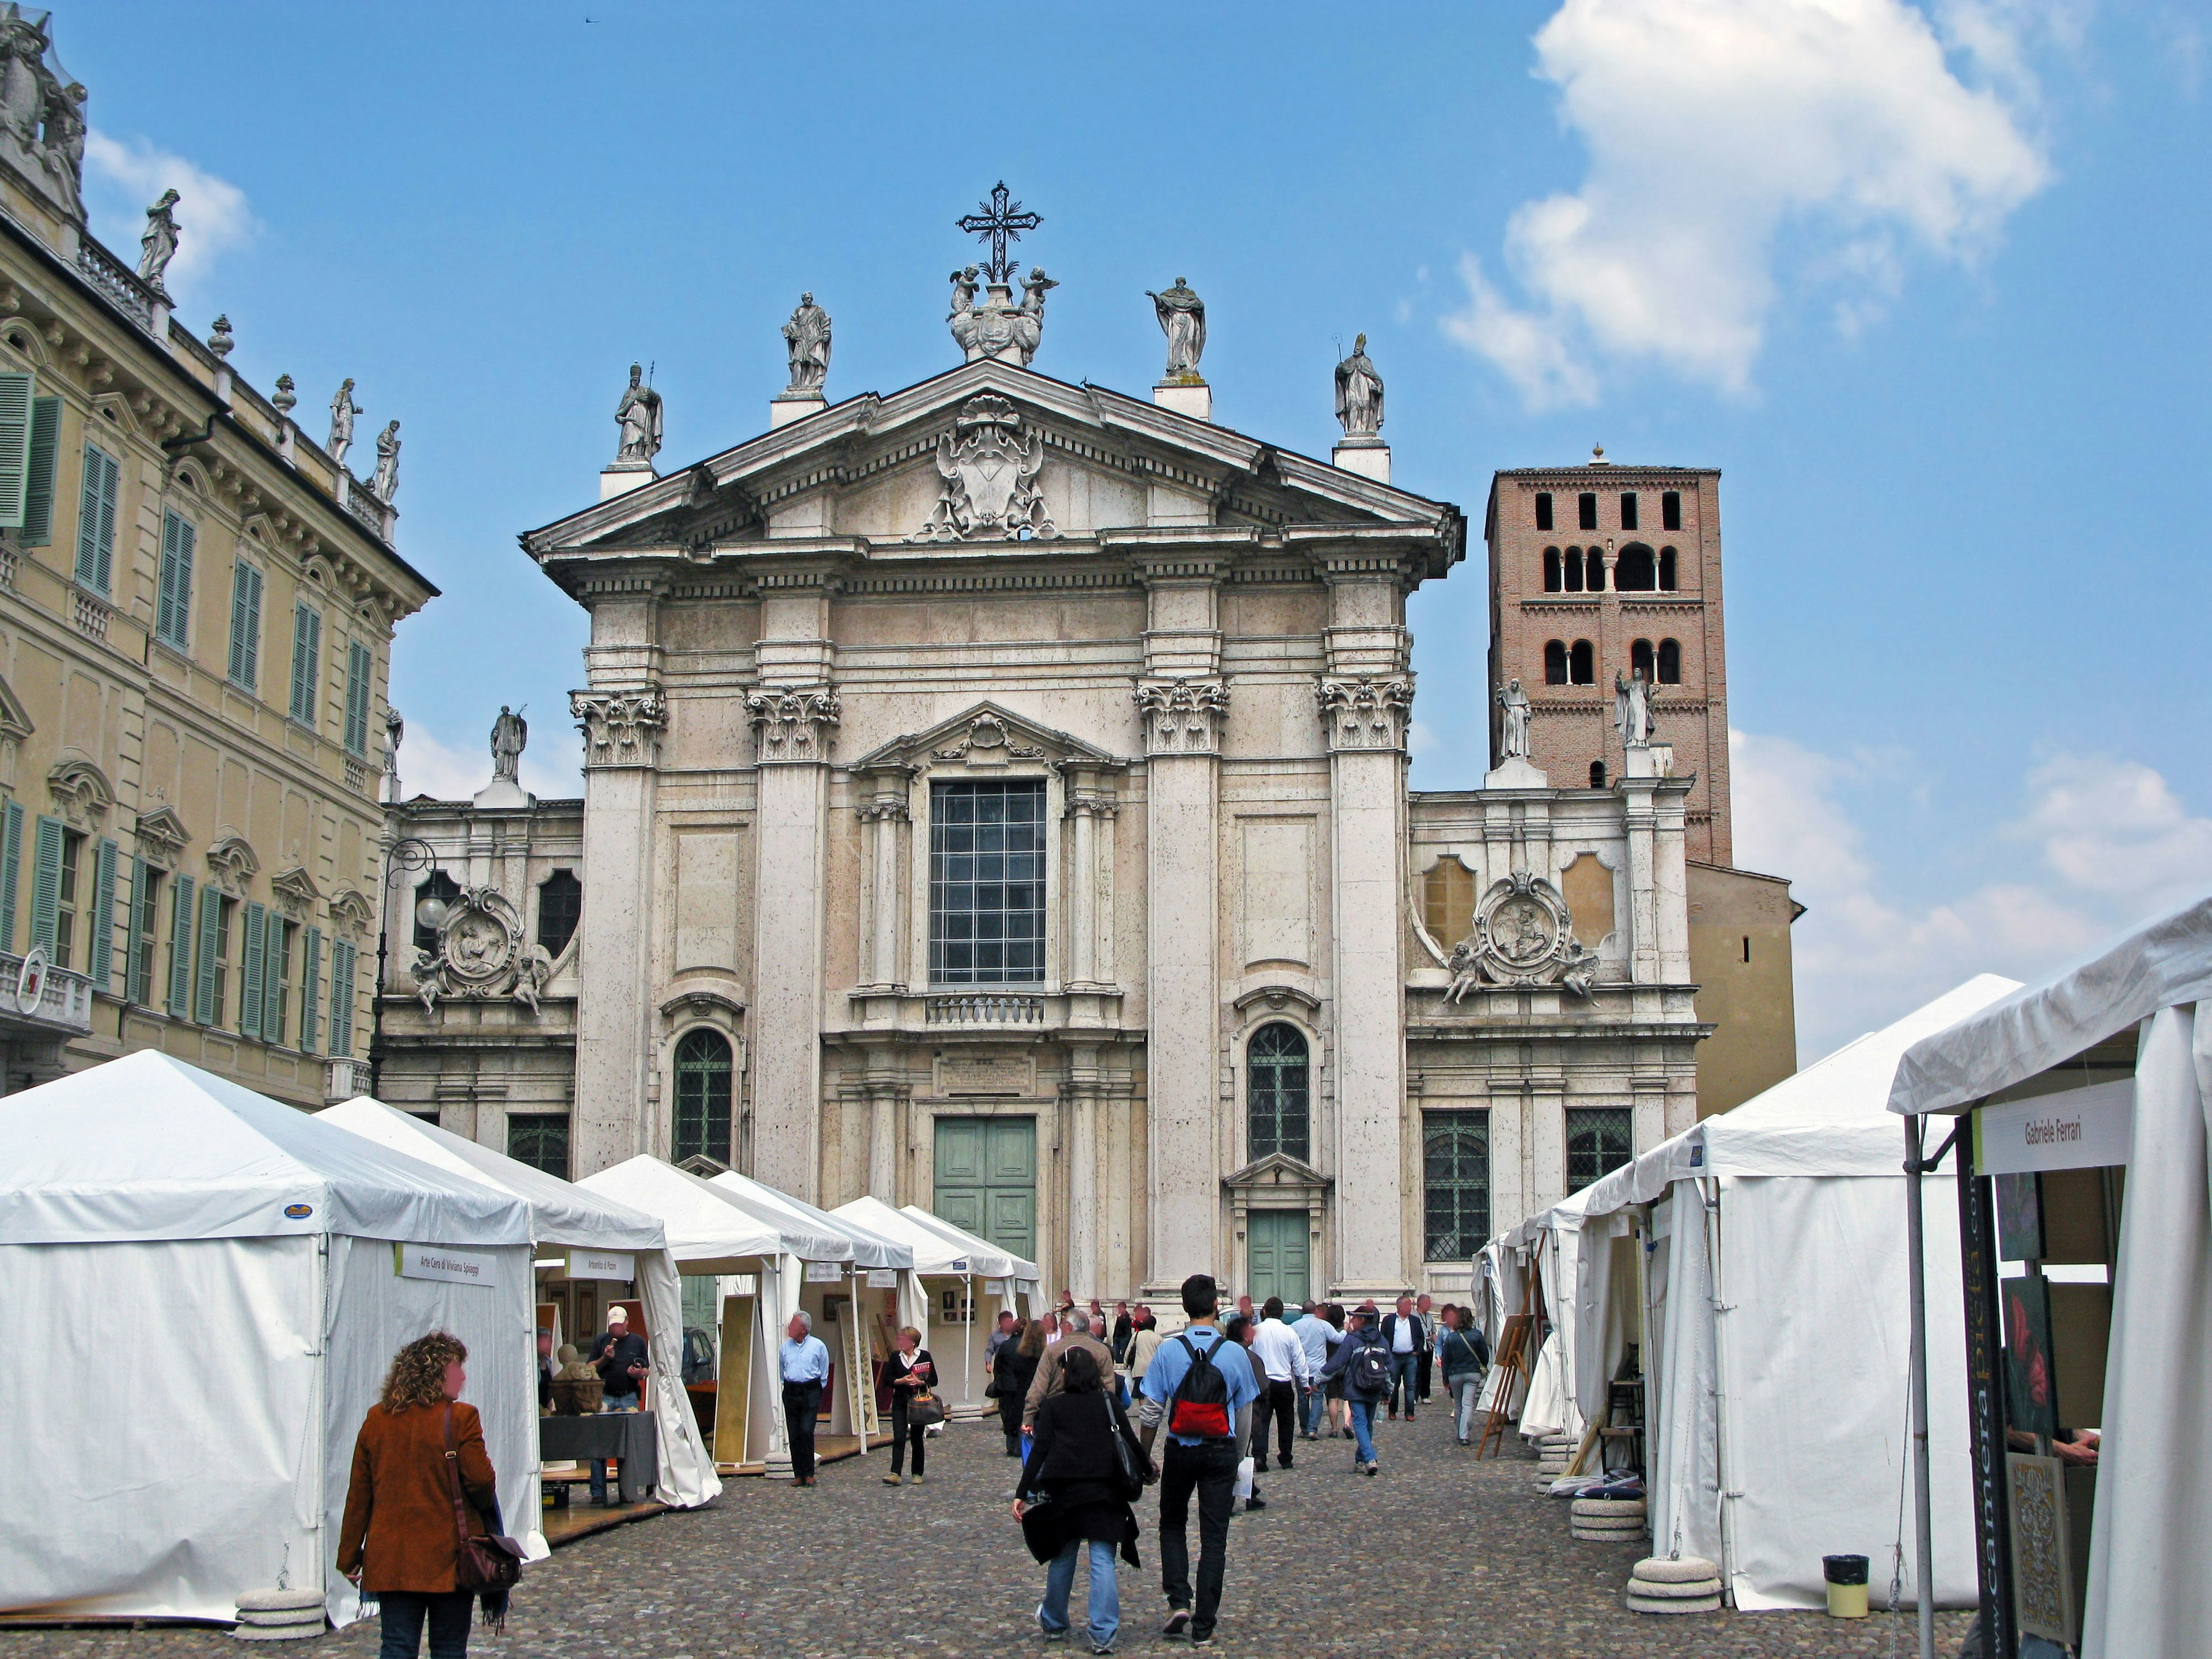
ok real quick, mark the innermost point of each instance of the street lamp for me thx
(409, 853)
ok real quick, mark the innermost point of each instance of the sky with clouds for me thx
(1925, 281)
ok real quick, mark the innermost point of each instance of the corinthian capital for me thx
(1364, 713)
(1182, 716)
(793, 723)
(620, 728)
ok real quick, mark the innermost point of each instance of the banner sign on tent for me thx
(453, 1266)
(995, 1287)
(883, 1279)
(2080, 1129)
(825, 1273)
(603, 1264)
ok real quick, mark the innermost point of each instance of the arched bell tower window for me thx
(1552, 570)
(703, 1096)
(1278, 1091)
(1640, 662)
(1555, 662)
(1670, 663)
(1582, 663)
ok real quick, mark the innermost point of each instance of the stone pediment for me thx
(870, 474)
(982, 735)
(1277, 1171)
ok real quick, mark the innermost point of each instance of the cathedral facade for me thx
(996, 799)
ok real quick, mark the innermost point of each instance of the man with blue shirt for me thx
(805, 1366)
(1313, 1332)
(1200, 1388)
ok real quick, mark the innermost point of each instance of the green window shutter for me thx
(307, 649)
(210, 934)
(341, 961)
(15, 448)
(311, 986)
(272, 981)
(358, 666)
(39, 494)
(245, 625)
(111, 481)
(47, 883)
(102, 964)
(173, 608)
(11, 870)
(249, 1001)
(135, 989)
(181, 949)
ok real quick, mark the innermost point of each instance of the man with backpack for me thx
(1365, 1364)
(1197, 1385)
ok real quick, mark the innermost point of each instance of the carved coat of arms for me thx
(481, 954)
(1523, 936)
(989, 471)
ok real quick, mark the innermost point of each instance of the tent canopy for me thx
(147, 1147)
(845, 1240)
(933, 1252)
(706, 1227)
(561, 1213)
(2165, 964)
(985, 1259)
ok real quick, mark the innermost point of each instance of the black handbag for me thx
(1130, 1475)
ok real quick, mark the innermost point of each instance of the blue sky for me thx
(1924, 281)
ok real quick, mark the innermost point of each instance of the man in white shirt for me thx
(1406, 1335)
(1282, 1357)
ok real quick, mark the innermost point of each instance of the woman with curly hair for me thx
(397, 1542)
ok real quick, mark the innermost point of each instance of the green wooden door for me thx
(1277, 1243)
(986, 1179)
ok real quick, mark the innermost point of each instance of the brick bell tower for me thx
(1600, 570)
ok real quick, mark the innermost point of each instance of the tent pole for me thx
(967, 1339)
(1916, 1383)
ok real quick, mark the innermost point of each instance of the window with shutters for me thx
(560, 907)
(39, 492)
(277, 977)
(218, 917)
(245, 626)
(249, 982)
(703, 1096)
(145, 925)
(178, 1002)
(66, 899)
(342, 965)
(15, 448)
(173, 598)
(359, 666)
(307, 662)
(11, 870)
(100, 936)
(46, 886)
(95, 520)
(311, 989)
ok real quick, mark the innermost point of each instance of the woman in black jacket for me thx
(1072, 1494)
(908, 1373)
(1012, 1371)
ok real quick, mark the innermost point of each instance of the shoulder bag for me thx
(479, 1564)
(1129, 1474)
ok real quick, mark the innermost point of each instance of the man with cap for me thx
(618, 1355)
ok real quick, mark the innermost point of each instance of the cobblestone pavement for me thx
(1437, 1555)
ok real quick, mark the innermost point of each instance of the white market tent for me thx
(958, 1322)
(214, 1285)
(1549, 1245)
(2149, 1596)
(566, 1216)
(710, 1233)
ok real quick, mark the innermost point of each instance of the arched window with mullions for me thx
(703, 1096)
(1277, 1089)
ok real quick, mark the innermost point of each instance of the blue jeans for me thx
(1105, 1609)
(402, 1619)
(608, 1402)
(1405, 1370)
(1363, 1426)
(1316, 1403)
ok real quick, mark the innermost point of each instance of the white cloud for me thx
(552, 766)
(1718, 129)
(124, 177)
(2103, 843)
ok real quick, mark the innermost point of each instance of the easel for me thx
(1512, 1366)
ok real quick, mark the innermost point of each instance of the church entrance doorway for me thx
(986, 1179)
(1277, 1247)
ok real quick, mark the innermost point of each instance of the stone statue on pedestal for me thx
(1358, 394)
(510, 734)
(1632, 709)
(1182, 320)
(807, 337)
(638, 415)
(159, 245)
(385, 484)
(1513, 733)
(65, 142)
(395, 729)
(342, 410)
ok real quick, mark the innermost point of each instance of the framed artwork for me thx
(2042, 1552)
(2031, 1379)
(2020, 1218)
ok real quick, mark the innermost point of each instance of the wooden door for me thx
(986, 1179)
(1278, 1250)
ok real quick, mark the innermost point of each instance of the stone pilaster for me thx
(886, 822)
(1092, 808)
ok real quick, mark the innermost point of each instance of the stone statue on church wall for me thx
(385, 484)
(1358, 394)
(65, 143)
(510, 735)
(1182, 320)
(159, 245)
(23, 72)
(1513, 728)
(638, 415)
(1632, 709)
(807, 337)
(395, 729)
(342, 410)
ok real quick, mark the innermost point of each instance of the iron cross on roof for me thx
(1003, 221)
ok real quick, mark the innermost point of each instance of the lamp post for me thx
(409, 853)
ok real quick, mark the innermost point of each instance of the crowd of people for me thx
(1096, 1407)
